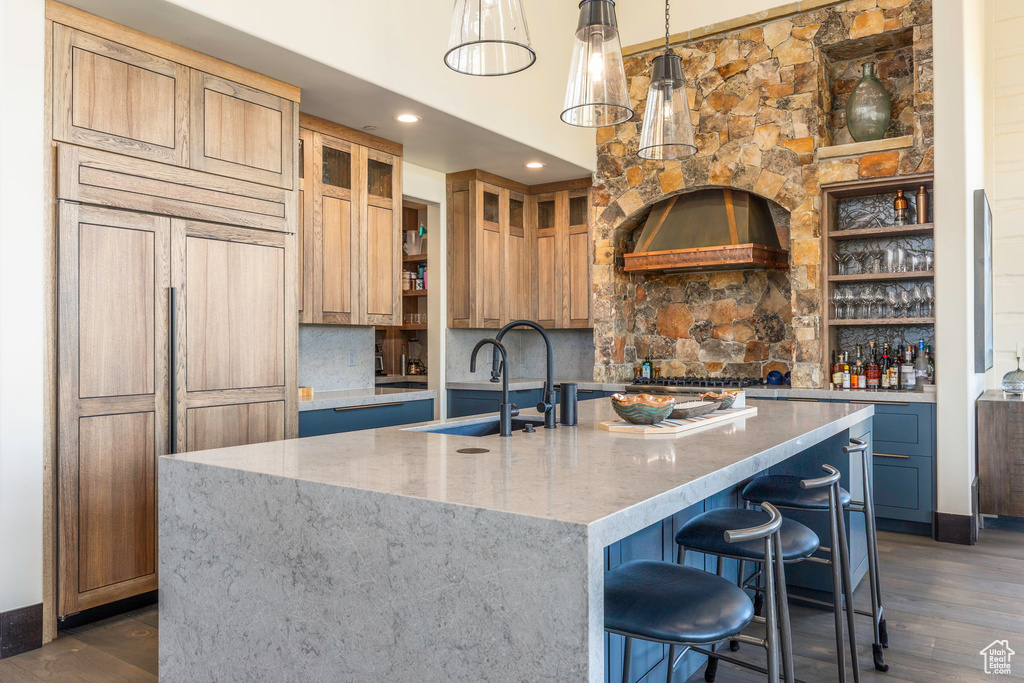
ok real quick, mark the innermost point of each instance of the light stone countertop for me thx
(615, 484)
(842, 395)
(394, 379)
(328, 400)
(520, 383)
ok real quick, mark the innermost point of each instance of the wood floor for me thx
(943, 602)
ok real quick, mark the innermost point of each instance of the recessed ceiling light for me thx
(407, 118)
(535, 164)
(369, 127)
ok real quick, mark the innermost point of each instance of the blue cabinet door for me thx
(904, 428)
(318, 422)
(903, 487)
(463, 402)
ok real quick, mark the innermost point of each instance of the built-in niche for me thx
(893, 54)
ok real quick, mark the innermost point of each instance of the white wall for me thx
(1005, 182)
(22, 324)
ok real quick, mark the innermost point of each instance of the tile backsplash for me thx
(324, 357)
(573, 351)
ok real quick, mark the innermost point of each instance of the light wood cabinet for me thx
(113, 400)
(518, 252)
(122, 91)
(351, 232)
(489, 255)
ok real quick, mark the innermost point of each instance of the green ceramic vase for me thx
(868, 110)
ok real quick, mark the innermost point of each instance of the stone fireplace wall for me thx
(765, 98)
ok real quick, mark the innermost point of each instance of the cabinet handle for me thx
(585, 391)
(882, 403)
(805, 400)
(172, 330)
(892, 455)
(371, 405)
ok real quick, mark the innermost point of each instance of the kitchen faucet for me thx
(547, 404)
(506, 411)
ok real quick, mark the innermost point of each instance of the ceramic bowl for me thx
(724, 399)
(690, 409)
(643, 409)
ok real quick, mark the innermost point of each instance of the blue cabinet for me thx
(903, 487)
(351, 419)
(463, 402)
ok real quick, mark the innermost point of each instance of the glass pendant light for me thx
(597, 94)
(667, 132)
(489, 38)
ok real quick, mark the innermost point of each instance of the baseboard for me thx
(108, 610)
(21, 630)
(960, 529)
(904, 527)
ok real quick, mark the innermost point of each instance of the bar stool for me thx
(690, 609)
(822, 494)
(704, 533)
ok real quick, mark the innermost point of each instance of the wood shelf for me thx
(414, 292)
(417, 327)
(862, 322)
(876, 277)
(887, 231)
(414, 258)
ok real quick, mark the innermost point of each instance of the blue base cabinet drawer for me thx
(463, 402)
(905, 429)
(317, 422)
(903, 487)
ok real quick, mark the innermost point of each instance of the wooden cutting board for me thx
(677, 427)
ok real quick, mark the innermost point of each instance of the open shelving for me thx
(841, 201)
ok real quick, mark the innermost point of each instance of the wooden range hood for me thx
(714, 229)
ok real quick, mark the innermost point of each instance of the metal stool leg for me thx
(711, 672)
(844, 562)
(786, 634)
(837, 592)
(627, 654)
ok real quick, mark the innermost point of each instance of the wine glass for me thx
(929, 260)
(837, 301)
(929, 297)
(894, 302)
(905, 300)
(848, 299)
(890, 259)
(841, 260)
(867, 297)
(879, 296)
(901, 260)
(918, 300)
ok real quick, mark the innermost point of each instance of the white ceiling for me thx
(442, 141)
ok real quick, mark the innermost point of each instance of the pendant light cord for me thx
(666, 27)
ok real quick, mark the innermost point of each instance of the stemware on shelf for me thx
(837, 301)
(867, 297)
(879, 297)
(929, 297)
(918, 300)
(905, 302)
(894, 302)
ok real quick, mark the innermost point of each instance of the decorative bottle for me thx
(868, 110)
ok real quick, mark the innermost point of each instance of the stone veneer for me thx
(763, 99)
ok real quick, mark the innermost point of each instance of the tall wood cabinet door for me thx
(548, 290)
(241, 132)
(490, 254)
(234, 377)
(337, 176)
(518, 286)
(578, 259)
(116, 98)
(113, 400)
(460, 201)
(382, 239)
(305, 231)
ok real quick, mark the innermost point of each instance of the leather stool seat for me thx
(784, 490)
(706, 533)
(672, 603)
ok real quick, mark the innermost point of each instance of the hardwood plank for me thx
(124, 637)
(10, 672)
(70, 659)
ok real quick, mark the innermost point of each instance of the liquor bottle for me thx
(899, 368)
(846, 370)
(899, 207)
(873, 371)
(908, 376)
(931, 365)
(862, 380)
(837, 371)
(921, 364)
(646, 368)
(886, 365)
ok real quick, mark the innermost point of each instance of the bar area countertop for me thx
(394, 554)
(327, 400)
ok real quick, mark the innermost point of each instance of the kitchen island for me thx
(402, 555)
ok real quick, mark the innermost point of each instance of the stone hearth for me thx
(764, 99)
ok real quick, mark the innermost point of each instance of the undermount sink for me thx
(477, 427)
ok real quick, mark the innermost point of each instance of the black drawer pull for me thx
(370, 405)
(892, 455)
(882, 403)
(584, 391)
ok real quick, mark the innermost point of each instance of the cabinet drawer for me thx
(903, 487)
(904, 429)
(317, 422)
